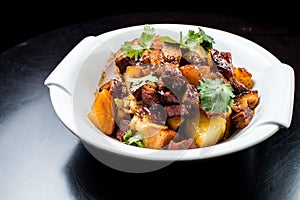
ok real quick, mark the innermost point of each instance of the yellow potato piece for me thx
(158, 138)
(101, 114)
(194, 74)
(243, 76)
(206, 131)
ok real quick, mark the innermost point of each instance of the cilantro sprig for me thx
(192, 39)
(130, 139)
(136, 50)
(171, 40)
(132, 50)
(200, 38)
(216, 96)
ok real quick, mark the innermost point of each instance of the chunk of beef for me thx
(118, 89)
(150, 96)
(190, 100)
(192, 57)
(243, 118)
(238, 87)
(223, 64)
(175, 110)
(168, 98)
(172, 78)
(184, 144)
(172, 53)
(175, 83)
(122, 62)
(157, 114)
(138, 94)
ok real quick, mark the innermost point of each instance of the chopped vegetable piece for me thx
(102, 112)
(206, 131)
(133, 139)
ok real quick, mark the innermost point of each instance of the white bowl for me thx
(73, 82)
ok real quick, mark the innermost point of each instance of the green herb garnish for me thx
(132, 50)
(136, 83)
(171, 40)
(215, 95)
(136, 50)
(133, 139)
(192, 39)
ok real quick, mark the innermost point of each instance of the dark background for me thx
(40, 158)
(23, 20)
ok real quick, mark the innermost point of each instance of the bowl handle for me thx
(65, 73)
(62, 79)
(282, 95)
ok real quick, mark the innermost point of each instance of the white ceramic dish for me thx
(73, 82)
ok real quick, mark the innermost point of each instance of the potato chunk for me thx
(101, 114)
(206, 131)
(158, 138)
(195, 73)
(174, 122)
(248, 99)
(243, 76)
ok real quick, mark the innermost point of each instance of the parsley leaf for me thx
(139, 82)
(215, 96)
(133, 139)
(136, 50)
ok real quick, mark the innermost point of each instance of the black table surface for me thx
(41, 159)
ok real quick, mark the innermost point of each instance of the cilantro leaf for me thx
(147, 37)
(171, 40)
(133, 139)
(136, 50)
(132, 50)
(215, 95)
(193, 39)
(139, 82)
